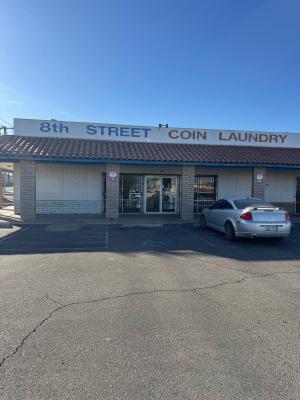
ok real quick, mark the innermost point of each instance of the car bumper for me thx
(256, 229)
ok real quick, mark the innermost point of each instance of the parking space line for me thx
(106, 238)
(207, 242)
(97, 236)
(293, 240)
(198, 235)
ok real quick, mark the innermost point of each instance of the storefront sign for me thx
(83, 130)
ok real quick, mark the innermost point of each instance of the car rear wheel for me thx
(229, 231)
(203, 222)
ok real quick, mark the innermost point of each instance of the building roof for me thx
(14, 148)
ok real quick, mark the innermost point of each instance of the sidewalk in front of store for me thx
(146, 221)
(9, 218)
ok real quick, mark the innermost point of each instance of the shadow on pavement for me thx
(170, 239)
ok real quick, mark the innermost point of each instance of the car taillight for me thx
(247, 216)
(287, 217)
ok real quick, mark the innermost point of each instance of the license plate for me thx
(271, 228)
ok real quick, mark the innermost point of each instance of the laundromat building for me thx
(102, 169)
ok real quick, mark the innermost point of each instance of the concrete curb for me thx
(65, 227)
(143, 225)
(5, 224)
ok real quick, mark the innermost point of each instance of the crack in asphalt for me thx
(45, 295)
(63, 306)
(53, 300)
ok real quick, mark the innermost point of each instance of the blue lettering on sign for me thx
(54, 127)
(45, 127)
(113, 130)
(124, 131)
(135, 132)
(146, 130)
(102, 130)
(91, 129)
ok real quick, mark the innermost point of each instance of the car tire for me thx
(203, 225)
(229, 231)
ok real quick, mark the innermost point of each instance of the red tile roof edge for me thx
(45, 148)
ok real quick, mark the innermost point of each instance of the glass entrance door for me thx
(153, 189)
(161, 194)
(169, 194)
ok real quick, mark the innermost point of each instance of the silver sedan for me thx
(248, 218)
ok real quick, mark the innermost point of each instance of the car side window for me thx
(226, 205)
(217, 205)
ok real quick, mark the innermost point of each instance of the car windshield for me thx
(244, 203)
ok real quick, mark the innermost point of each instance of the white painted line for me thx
(97, 236)
(106, 238)
(152, 243)
(206, 242)
(293, 240)
(148, 225)
(13, 234)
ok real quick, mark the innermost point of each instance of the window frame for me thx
(199, 205)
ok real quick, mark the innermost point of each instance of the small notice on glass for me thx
(112, 175)
(259, 177)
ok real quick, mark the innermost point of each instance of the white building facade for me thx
(106, 169)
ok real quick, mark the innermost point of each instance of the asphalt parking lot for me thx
(162, 313)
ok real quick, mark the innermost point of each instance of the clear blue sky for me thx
(232, 64)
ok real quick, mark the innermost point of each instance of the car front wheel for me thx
(229, 231)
